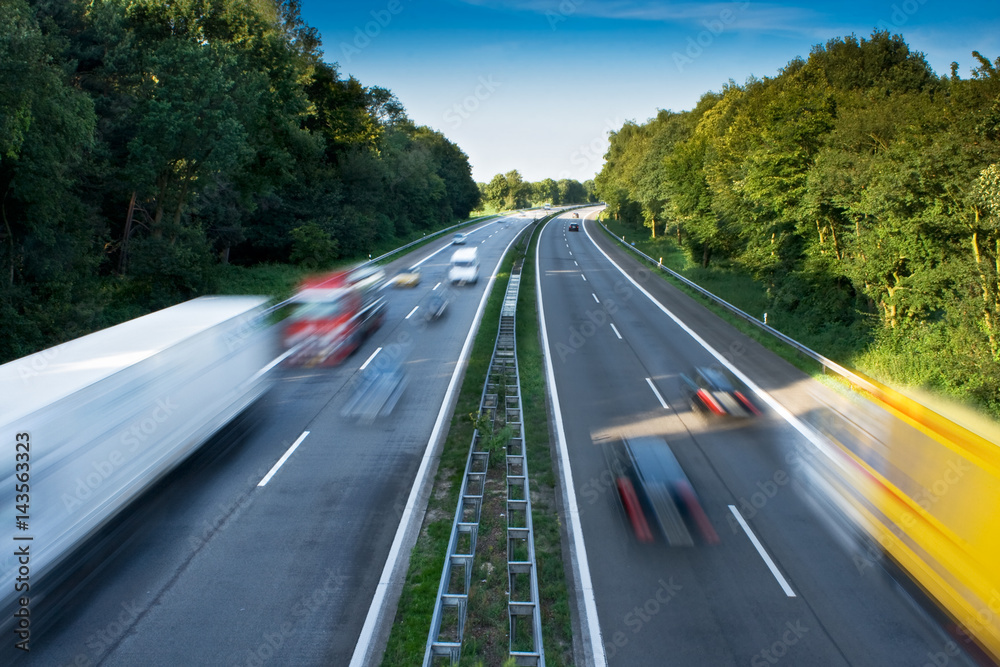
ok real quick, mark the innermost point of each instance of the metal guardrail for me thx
(500, 404)
(859, 380)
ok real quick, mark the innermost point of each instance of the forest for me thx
(858, 187)
(147, 147)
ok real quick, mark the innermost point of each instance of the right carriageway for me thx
(789, 580)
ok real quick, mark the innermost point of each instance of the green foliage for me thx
(856, 186)
(313, 247)
(143, 144)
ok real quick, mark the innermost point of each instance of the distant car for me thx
(408, 277)
(574, 226)
(459, 239)
(576, 215)
(714, 390)
(658, 499)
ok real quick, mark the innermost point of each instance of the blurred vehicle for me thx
(333, 315)
(407, 277)
(574, 226)
(548, 207)
(576, 215)
(717, 391)
(377, 388)
(459, 239)
(655, 494)
(464, 267)
(435, 306)
(96, 421)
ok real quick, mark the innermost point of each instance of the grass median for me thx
(487, 623)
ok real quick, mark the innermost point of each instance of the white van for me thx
(464, 266)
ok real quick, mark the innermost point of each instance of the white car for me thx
(459, 239)
(464, 266)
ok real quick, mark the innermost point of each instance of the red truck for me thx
(333, 314)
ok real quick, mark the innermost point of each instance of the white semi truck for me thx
(88, 425)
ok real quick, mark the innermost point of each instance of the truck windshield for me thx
(319, 310)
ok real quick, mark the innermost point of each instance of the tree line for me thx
(143, 144)
(510, 191)
(859, 186)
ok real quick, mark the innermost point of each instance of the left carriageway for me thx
(213, 567)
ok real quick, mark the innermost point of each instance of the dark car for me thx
(656, 495)
(574, 226)
(713, 390)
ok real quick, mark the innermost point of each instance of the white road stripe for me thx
(369, 359)
(592, 628)
(435, 287)
(415, 309)
(649, 381)
(763, 554)
(428, 462)
(595, 297)
(615, 329)
(583, 276)
(281, 461)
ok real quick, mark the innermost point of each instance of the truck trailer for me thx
(89, 425)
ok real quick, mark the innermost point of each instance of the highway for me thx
(234, 560)
(786, 583)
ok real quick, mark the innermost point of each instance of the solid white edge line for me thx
(649, 381)
(281, 461)
(415, 309)
(763, 553)
(822, 445)
(573, 525)
(369, 359)
(615, 329)
(367, 635)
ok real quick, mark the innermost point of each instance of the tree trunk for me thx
(706, 254)
(123, 254)
(836, 243)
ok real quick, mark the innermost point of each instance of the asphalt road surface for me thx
(792, 587)
(210, 568)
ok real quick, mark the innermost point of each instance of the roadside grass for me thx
(553, 590)
(835, 341)
(487, 624)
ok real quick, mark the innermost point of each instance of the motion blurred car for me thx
(574, 226)
(408, 277)
(576, 215)
(714, 390)
(459, 239)
(656, 496)
(435, 306)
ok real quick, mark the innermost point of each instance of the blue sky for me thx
(536, 85)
